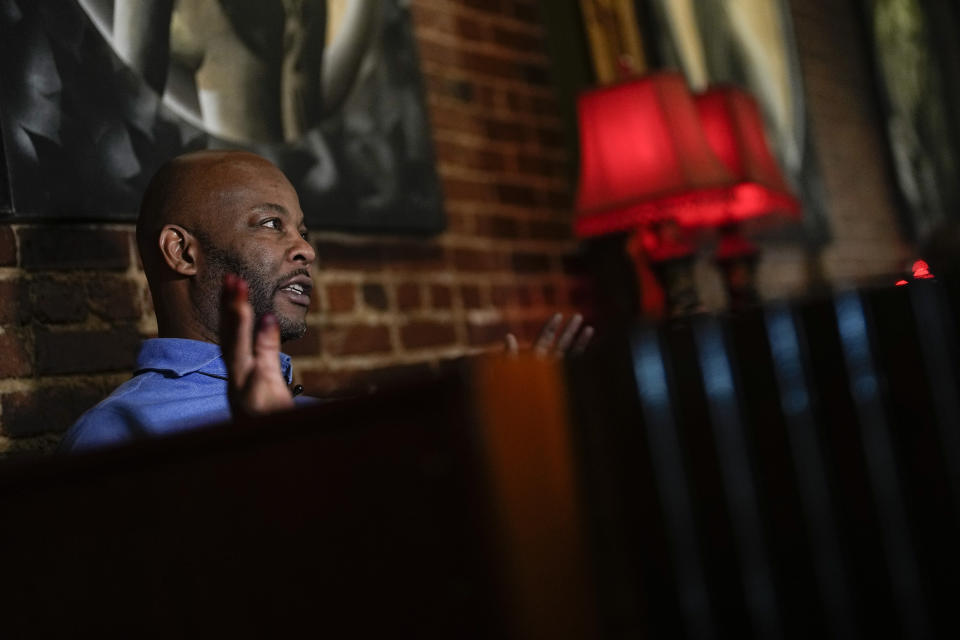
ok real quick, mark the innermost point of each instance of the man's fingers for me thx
(236, 328)
(548, 334)
(583, 340)
(267, 390)
(267, 343)
(569, 333)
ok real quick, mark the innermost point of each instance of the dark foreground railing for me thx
(789, 471)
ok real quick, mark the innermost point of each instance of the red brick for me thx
(340, 297)
(501, 295)
(441, 296)
(474, 260)
(470, 294)
(530, 262)
(69, 247)
(58, 301)
(435, 52)
(518, 40)
(460, 155)
(549, 292)
(490, 6)
(86, 351)
(490, 65)
(487, 334)
(334, 255)
(456, 119)
(524, 296)
(506, 130)
(14, 357)
(418, 335)
(375, 296)
(467, 190)
(471, 29)
(8, 247)
(498, 227)
(12, 296)
(549, 229)
(530, 330)
(355, 339)
(517, 195)
(308, 345)
(29, 413)
(408, 296)
(115, 298)
(415, 255)
(526, 11)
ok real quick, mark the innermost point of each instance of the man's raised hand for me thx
(255, 382)
(552, 341)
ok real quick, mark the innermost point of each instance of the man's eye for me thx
(272, 223)
(305, 235)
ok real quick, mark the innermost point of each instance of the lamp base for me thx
(670, 256)
(675, 275)
(737, 260)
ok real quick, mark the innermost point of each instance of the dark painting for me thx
(96, 94)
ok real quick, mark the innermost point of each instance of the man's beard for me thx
(261, 290)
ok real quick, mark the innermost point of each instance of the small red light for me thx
(900, 283)
(921, 270)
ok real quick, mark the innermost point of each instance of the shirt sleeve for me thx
(98, 428)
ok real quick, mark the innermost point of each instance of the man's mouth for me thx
(294, 288)
(297, 290)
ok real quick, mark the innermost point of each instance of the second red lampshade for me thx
(734, 128)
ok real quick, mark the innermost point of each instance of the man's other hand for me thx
(255, 382)
(555, 339)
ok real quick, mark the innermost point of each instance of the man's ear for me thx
(179, 249)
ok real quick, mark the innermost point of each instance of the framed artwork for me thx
(613, 31)
(917, 62)
(96, 94)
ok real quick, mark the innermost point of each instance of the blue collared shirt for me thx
(178, 385)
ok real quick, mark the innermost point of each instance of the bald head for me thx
(190, 190)
(209, 213)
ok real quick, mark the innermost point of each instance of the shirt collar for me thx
(179, 357)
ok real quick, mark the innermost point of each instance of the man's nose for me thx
(303, 251)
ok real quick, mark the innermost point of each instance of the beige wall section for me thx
(847, 132)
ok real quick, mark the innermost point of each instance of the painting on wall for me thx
(96, 94)
(917, 60)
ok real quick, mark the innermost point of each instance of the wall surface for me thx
(860, 196)
(74, 304)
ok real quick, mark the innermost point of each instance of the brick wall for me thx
(74, 305)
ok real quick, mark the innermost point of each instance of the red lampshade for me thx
(644, 158)
(734, 129)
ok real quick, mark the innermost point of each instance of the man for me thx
(216, 228)
(223, 245)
